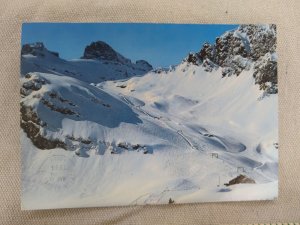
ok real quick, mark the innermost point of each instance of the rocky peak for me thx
(238, 50)
(144, 64)
(102, 51)
(206, 52)
(261, 38)
(36, 49)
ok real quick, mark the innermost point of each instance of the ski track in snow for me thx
(160, 118)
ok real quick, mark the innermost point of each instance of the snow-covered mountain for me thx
(100, 62)
(60, 111)
(180, 133)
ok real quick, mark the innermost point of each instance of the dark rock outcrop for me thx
(30, 121)
(241, 179)
(193, 58)
(266, 75)
(31, 85)
(32, 124)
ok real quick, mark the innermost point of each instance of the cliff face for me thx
(237, 50)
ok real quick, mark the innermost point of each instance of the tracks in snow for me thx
(187, 140)
(156, 198)
(179, 132)
(138, 107)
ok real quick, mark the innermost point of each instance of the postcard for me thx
(120, 114)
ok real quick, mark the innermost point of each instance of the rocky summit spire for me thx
(102, 51)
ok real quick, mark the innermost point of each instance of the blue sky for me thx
(159, 44)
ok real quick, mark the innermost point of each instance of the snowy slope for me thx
(228, 113)
(69, 111)
(180, 133)
(169, 122)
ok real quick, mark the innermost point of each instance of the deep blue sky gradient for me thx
(159, 44)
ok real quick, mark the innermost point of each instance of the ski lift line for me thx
(185, 138)
(138, 108)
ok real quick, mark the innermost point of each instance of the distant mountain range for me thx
(99, 62)
(234, 51)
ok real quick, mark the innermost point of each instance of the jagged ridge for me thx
(238, 50)
(36, 49)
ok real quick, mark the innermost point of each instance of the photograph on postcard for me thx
(115, 114)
